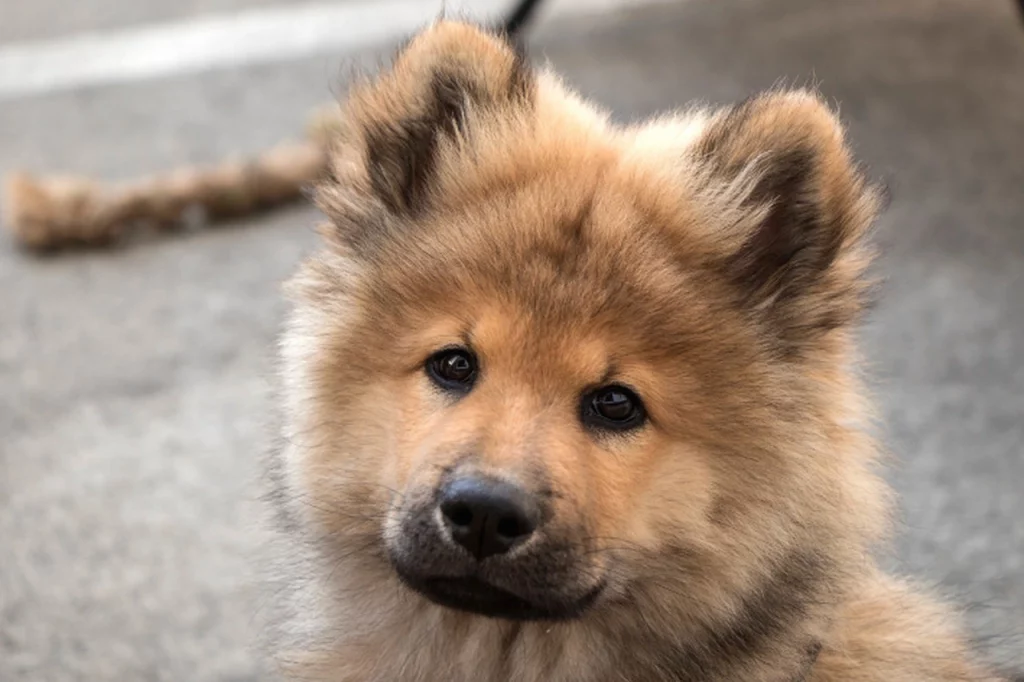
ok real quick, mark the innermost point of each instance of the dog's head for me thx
(545, 364)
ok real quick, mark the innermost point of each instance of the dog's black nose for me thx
(487, 516)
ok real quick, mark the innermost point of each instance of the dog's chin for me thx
(473, 595)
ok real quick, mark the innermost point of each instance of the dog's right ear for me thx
(398, 128)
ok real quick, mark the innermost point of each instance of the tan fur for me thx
(714, 260)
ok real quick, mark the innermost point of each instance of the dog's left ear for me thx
(400, 130)
(797, 251)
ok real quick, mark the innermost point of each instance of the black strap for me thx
(520, 15)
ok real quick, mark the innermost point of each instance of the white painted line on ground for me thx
(247, 37)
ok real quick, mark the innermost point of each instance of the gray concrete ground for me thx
(133, 384)
(50, 19)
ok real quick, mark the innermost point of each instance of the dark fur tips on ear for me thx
(395, 124)
(400, 157)
(786, 241)
(799, 265)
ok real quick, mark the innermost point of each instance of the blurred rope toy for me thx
(54, 212)
(62, 211)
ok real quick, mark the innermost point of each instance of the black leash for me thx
(520, 16)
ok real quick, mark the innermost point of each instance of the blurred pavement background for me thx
(134, 383)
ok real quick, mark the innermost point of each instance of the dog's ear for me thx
(797, 251)
(396, 129)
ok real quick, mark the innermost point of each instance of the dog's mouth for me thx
(473, 595)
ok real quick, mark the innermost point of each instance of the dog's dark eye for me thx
(613, 407)
(453, 369)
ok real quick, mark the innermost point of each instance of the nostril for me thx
(512, 527)
(458, 513)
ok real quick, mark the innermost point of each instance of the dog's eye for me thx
(613, 407)
(453, 369)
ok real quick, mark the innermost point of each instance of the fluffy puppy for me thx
(572, 402)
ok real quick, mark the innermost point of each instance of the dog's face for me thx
(541, 420)
(545, 364)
